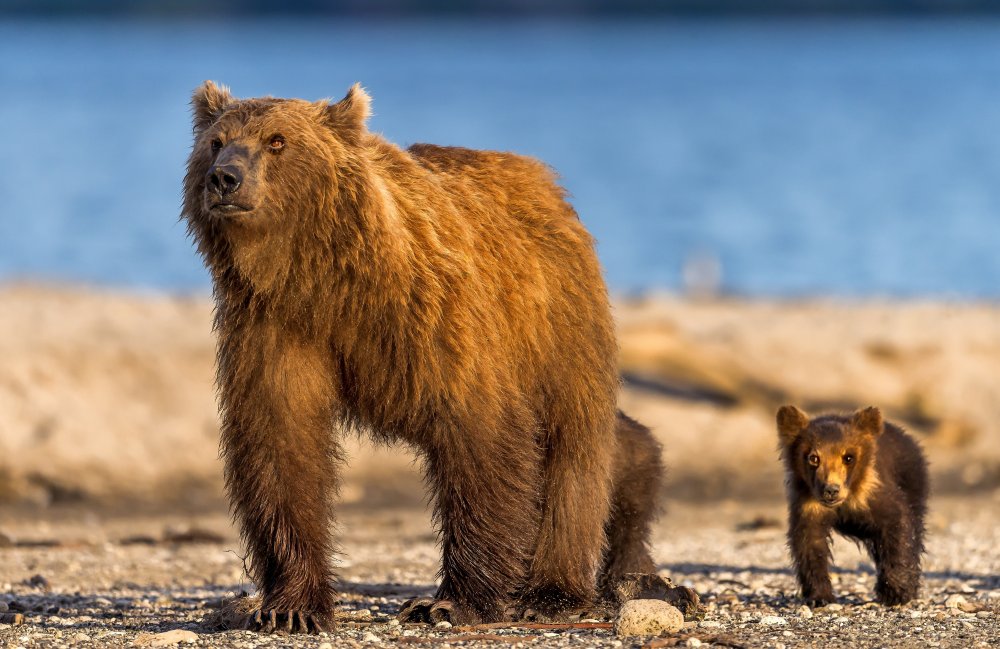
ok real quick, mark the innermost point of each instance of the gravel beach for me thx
(79, 578)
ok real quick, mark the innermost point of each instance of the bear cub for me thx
(864, 478)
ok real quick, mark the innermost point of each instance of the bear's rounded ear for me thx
(791, 422)
(348, 116)
(868, 420)
(208, 103)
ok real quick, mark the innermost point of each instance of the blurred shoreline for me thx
(106, 397)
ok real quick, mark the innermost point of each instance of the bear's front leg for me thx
(281, 462)
(487, 508)
(809, 542)
(895, 549)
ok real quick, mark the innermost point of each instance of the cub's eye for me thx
(848, 458)
(216, 145)
(813, 459)
(276, 144)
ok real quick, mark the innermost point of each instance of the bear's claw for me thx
(274, 620)
(428, 610)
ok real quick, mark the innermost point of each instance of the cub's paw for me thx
(273, 620)
(428, 610)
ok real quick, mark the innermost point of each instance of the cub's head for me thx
(832, 456)
(266, 162)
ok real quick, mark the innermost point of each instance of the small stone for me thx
(805, 612)
(833, 608)
(693, 642)
(3, 606)
(393, 622)
(81, 637)
(15, 619)
(170, 638)
(773, 620)
(443, 624)
(710, 624)
(954, 601)
(371, 637)
(325, 645)
(647, 617)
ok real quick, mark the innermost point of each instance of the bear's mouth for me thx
(833, 502)
(229, 208)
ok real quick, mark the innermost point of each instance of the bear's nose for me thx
(831, 491)
(224, 179)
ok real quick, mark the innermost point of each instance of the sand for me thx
(108, 397)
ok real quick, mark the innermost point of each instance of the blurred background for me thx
(793, 201)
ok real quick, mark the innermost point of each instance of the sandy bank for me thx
(109, 396)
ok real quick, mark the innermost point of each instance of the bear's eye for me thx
(848, 458)
(216, 145)
(277, 143)
(813, 459)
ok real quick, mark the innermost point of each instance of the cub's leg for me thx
(485, 482)
(281, 472)
(896, 550)
(809, 541)
(638, 477)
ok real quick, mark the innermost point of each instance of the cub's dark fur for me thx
(867, 480)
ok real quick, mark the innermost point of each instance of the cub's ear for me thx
(868, 421)
(208, 103)
(791, 422)
(348, 116)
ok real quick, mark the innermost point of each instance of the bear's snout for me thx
(224, 179)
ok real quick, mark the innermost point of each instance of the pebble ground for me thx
(74, 578)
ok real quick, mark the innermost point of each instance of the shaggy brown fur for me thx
(446, 298)
(863, 478)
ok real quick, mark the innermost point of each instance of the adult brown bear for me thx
(442, 297)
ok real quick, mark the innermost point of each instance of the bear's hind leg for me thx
(577, 501)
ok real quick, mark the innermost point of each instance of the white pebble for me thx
(805, 612)
(326, 645)
(639, 617)
(443, 624)
(693, 642)
(371, 637)
(954, 601)
(169, 638)
(773, 620)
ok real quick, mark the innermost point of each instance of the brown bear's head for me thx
(266, 162)
(833, 456)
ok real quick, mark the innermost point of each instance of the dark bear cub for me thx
(867, 480)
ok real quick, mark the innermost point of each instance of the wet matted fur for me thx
(441, 297)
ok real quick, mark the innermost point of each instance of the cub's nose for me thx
(224, 179)
(831, 491)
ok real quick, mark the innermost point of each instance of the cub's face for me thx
(266, 161)
(833, 456)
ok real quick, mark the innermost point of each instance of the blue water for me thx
(848, 158)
